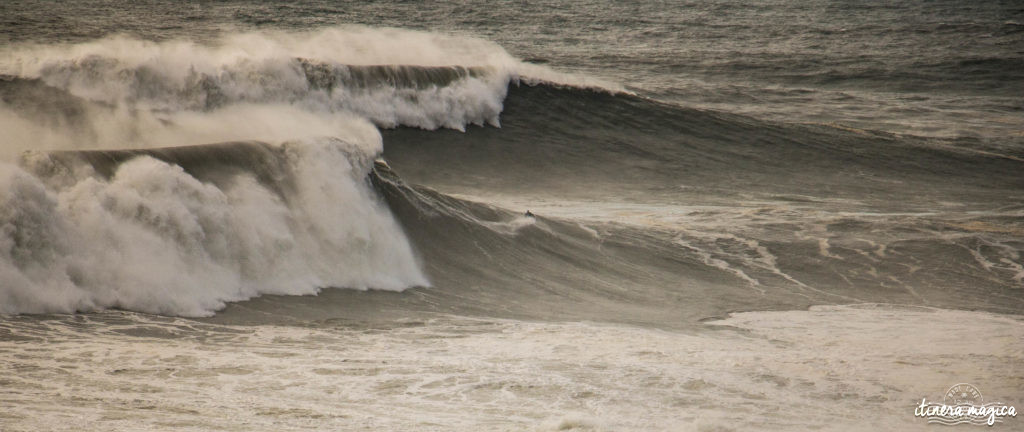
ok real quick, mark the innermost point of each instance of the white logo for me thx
(963, 404)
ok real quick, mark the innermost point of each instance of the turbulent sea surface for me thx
(706, 215)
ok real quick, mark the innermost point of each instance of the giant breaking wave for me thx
(166, 223)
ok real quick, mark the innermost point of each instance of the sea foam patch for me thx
(843, 368)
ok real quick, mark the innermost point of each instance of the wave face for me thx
(682, 213)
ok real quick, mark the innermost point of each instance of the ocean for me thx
(705, 215)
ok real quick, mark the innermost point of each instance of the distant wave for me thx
(391, 77)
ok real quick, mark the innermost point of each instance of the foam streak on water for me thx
(834, 368)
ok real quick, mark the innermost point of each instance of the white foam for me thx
(155, 239)
(137, 88)
(839, 368)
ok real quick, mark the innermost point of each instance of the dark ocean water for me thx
(512, 204)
